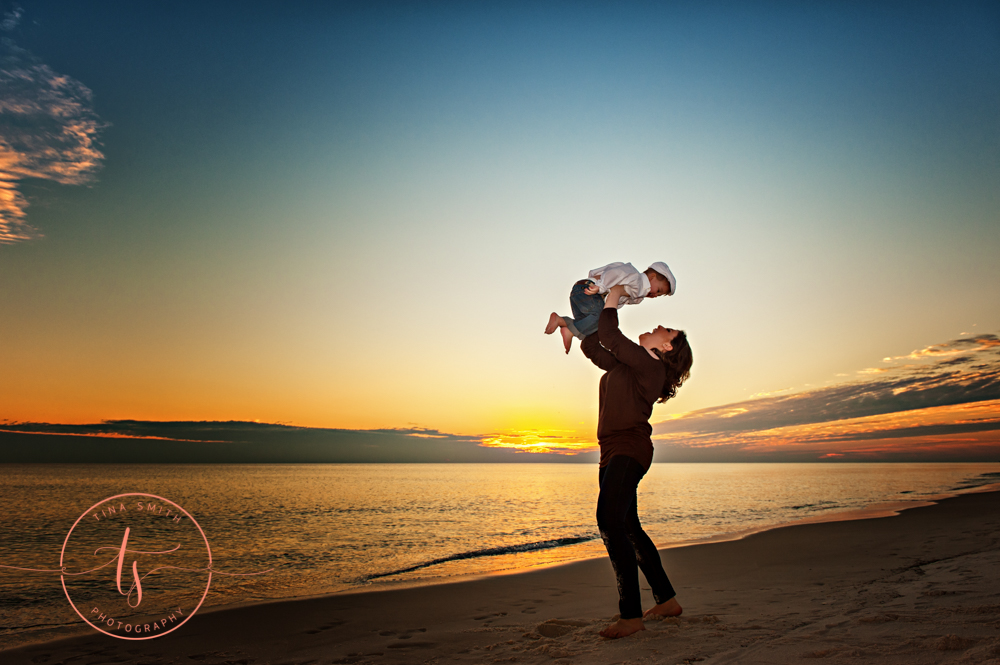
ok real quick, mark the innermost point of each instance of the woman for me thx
(636, 376)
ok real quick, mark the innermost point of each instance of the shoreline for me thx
(561, 606)
(874, 511)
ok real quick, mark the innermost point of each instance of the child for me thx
(586, 299)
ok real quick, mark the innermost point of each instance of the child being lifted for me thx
(587, 297)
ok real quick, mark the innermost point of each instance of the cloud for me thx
(246, 442)
(930, 400)
(48, 130)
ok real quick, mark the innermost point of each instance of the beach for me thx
(922, 586)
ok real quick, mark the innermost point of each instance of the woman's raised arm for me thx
(598, 355)
(625, 350)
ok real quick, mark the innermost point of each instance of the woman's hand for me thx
(616, 293)
(591, 289)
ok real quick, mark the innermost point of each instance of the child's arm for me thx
(624, 350)
(604, 277)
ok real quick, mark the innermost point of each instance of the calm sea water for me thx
(325, 528)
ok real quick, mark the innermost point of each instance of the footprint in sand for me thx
(412, 645)
(403, 635)
(488, 619)
(328, 626)
(213, 655)
(533, 606)
(559, 627)
(405, 639)
(351, 658)
(705, 618)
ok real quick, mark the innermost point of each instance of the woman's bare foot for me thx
(623, 628)
(555, 321)
(671, 608)
(567, 338)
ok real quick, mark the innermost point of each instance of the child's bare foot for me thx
(567, 338)
(623, 628)
(671, 608)
(555, 321)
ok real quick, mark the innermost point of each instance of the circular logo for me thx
(136, 566)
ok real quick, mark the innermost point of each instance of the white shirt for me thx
(636, 283)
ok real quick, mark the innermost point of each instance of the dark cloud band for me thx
(130, 441)
(958, 372)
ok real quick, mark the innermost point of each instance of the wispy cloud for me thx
(48, 130)
(933, 400)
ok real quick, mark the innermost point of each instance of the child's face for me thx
(658, 285)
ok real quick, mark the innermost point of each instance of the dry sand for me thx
(920, 587)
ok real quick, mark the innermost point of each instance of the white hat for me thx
(662, 268)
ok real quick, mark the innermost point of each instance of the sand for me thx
(919, 587)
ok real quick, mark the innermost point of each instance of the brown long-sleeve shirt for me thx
(632, 382)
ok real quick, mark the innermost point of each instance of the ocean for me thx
(327, 528)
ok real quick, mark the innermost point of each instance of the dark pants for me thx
(628, 545)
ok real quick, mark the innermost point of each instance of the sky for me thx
(358, 216)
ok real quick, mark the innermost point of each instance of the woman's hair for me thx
(677, 362)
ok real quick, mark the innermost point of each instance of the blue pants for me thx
(628, 545)
(586, 310)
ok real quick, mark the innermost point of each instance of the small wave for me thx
(490, 551)
(987, 478)
(819, 504)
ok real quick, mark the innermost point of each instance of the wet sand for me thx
(919, 587)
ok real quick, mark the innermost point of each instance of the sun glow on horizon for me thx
(540, 441)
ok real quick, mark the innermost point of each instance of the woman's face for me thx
(659, 338)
